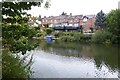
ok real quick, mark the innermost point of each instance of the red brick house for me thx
(86, 21)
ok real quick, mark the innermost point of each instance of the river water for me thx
(75, 60)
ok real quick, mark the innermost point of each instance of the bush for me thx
(113, 22)
(15, 67)
(67, 38)
(40, 34)
(113, 25)
(115, 39)
(48, 31)
(102, 37)
(76, 36)
(86, 38)
(57, 34)
(68, 34)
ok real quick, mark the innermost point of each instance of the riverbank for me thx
(98, 37)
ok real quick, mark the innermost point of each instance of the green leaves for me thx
(113, 21)
(113, 25)
(16, 8)
(102, 37)
(48, 31)
(18, 37)
(14, 66)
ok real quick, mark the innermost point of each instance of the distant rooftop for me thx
(66, 16)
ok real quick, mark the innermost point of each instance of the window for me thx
(70, 24)
(85, 20)
(55, 20)
(76, 25)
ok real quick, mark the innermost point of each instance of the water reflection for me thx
(75, 60)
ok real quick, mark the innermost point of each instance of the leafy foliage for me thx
(113, 25)
(102, 37)
(16, 9)
(111, 32)
(13, 8)
(17, 38)
(14, 66)
(72, 37)
(17, 35)
(57, 34)
(113, 22)
(48, 31)
(67, 38)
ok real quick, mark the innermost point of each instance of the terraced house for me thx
(65, 22)
(70, 22)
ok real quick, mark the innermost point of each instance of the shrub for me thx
(48, 31)
(77, 36)
(68, 34)
(57, 34)
(14, 66)
(102, 37)
(72, 36)
(67, 38)
(115, 39)
(86, 38)
(40, 34)
(113, 25)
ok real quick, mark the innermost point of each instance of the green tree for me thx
(100, 19)
(17, 34)
(113, 24)
(113, 21)
(16, 37)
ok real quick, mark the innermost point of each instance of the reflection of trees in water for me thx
(64, 49)
(100, 53)
(106, 54)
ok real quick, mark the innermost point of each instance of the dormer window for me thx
(85, 20)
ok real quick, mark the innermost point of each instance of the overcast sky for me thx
(76, 7)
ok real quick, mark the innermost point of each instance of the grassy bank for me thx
(99, 37)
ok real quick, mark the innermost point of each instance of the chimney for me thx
(44, 16)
